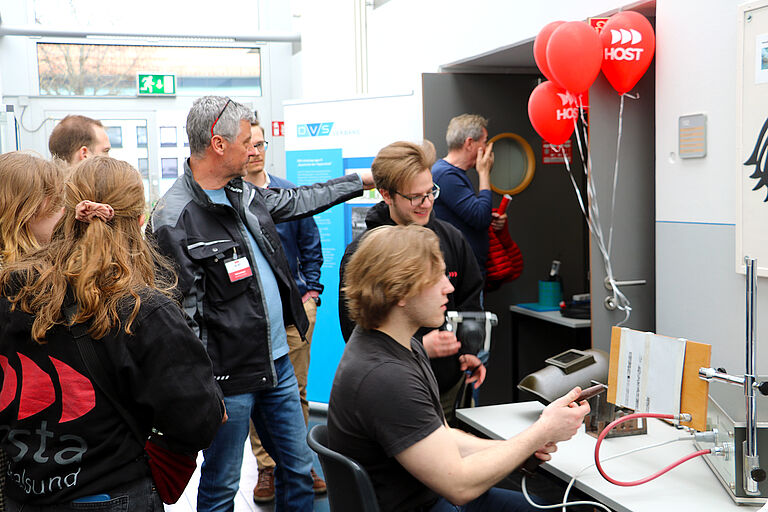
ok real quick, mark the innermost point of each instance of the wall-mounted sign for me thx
(277, 128)
(549, 155)
(157, 85)
(692, 136)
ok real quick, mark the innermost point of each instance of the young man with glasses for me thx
(238, 292)
(402, 176)
(467, 138)
(301, 243)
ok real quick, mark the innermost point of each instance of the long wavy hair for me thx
(108, 266)
(29, 187)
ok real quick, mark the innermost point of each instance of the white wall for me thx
(407, 38)
(699, 295)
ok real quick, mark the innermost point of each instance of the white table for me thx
(689, 487)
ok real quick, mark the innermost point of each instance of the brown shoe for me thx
(318, 484)
(264, 492)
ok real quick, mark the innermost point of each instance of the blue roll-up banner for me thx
(325, 140)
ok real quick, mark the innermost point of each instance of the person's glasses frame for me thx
(261, 146)
(418, 200)
(229, 100)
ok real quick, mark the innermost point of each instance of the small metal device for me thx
(602, 413)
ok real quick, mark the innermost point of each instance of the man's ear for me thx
(217, 144)
(386, 196)
(82, 153)
(468, 143)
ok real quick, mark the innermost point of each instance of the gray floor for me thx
(248, 477)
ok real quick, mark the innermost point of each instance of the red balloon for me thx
(574, 55)
(540, 49)
(552, 111)
(628, 46)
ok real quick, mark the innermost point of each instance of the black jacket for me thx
(462, 270)
(64, 438)
(200, 236)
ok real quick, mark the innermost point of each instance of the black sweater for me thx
(64, 438)
(462, 270)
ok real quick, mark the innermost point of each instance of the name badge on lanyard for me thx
(238, 268)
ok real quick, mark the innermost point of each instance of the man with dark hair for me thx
(384, 411)
(301, 243)
(402, 176)
(76, 138)
(467, 139)
(239, 295)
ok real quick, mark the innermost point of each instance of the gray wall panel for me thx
(699, 295)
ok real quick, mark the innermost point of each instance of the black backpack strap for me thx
(98, 373)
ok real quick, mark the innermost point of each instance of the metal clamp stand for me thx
(753, 473)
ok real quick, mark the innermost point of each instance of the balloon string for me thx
(593, 217)
(616, 173)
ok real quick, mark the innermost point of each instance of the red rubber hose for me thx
(648, 478)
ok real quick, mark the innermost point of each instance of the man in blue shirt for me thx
(301, 243)
(467, 138)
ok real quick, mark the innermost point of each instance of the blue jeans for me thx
(279, 421)
(496, 499)
(139, 496)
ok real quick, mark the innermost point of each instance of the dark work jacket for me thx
(200, 236)
(462, 270)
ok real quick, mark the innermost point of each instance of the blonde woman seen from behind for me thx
(97, 275)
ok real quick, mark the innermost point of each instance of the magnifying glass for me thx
(514, 164)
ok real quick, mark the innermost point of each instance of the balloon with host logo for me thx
(540, 50)
(628, 45)
(574, 55)
(552, 112)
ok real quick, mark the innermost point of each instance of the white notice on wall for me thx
(650, 372)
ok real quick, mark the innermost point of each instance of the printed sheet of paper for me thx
(650, 372)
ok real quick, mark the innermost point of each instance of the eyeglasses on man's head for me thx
(418, 200)
(219, 116)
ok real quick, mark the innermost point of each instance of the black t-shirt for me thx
(384, 399)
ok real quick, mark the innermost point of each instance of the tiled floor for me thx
(244, 499)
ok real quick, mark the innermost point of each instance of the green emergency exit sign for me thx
(157, 85)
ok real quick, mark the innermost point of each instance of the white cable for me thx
(21, 121)
(573, 503)
(622, 454)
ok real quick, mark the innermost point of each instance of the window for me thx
(77, 69)
(167, 136)
(144, 168)
(115, 134)
(141, 136)
(170, 167)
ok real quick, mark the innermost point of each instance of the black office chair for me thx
(349, 487)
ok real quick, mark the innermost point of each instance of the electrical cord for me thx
(565, 503)
(653, 476)
(622, 454)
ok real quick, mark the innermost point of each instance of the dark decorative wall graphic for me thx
(758, 160)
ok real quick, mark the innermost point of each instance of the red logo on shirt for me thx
(37, 391)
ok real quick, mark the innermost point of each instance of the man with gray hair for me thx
(467, 138)
(239, 294)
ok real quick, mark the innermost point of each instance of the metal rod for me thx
(633, 282)
(751, 460)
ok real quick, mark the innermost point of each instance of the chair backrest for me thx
(349, 487)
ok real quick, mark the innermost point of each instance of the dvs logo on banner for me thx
(314, 129)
